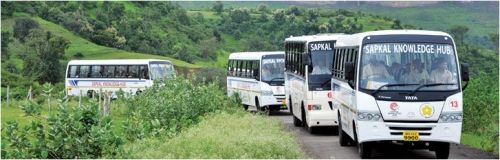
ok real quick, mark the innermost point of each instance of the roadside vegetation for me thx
(165, 117)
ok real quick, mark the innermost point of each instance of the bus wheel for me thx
(245, 107)
(296, 121)
(257, 105)
(364, 150)
(442, 150)
(343, 137)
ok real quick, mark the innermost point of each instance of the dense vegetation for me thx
(70, 131)
(54, 32)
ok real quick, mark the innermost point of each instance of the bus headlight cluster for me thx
(366, 116)
(267, 93)
(450, 117)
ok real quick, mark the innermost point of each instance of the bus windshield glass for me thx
(161, 71)
(273, 68)
(321, 60)
(408, 66)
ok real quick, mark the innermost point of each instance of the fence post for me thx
(29, 94)
(8, 98)
(100, 93)
(48, 100)
(80, 99)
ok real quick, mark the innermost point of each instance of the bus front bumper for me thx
(322, 118)
(274, 101)
(391, 131)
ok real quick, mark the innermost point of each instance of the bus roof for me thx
(355, 39)
(312, 38)
(253, 55)
(114, 61)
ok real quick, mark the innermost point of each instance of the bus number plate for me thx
(411, 136)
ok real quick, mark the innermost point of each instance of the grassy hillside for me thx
(88, 49)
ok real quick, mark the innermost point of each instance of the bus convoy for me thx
(391, 86)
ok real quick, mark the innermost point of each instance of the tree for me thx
(312, 15)
(5, 45)
(459, 32)
(47, 49)
(493, 38)
(7, 8)
(262, 8)
(240, 15)
(22, 27)
(218, 7)
(208, 48)
(294, 10)
(279, 15)
(396, 24)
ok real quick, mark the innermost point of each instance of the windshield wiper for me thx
(329, 80)
(272, 80)
(392, 85)
(429, 85)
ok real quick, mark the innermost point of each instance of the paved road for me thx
(324, 144)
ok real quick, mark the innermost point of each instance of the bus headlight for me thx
(267, 93)
(450, 117)
(367, 116)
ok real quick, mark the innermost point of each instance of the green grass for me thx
(88, 49)
(223, 135)
(478, 142)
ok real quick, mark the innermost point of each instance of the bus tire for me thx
(245, 107)
(257, 105)
(343, 137)
(296, 121)
(364, 150)
(289, 105)
(442, 150)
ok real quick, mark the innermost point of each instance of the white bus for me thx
(403, 86)
(88, 77)
(258, 79)
(307, 80)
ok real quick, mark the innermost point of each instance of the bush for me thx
(211, 75)
(172, 106)
(69, 133)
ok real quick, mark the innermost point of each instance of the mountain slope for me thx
(89, 49)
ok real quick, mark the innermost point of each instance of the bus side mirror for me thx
(306, 60)
(349, 71)
(464, 71)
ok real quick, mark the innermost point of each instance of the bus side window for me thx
(109, 72)
(96, 72)
(84, 71)
(144, 72)
(121, 72)
(133, 71)
(72, 73)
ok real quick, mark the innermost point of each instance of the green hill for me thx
(89, 49)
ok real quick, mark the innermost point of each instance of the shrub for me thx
(69, 133)
(172, 106)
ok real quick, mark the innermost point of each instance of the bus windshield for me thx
(161, 71)
(273, 69)
(408, 66)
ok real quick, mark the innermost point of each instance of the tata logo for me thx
(413, 98)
